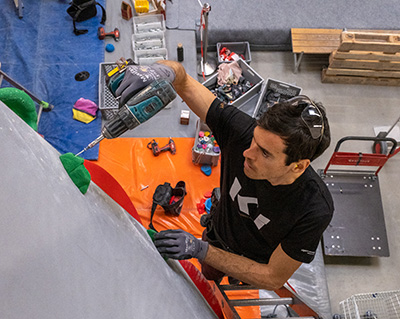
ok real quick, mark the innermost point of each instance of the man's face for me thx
(265, 158)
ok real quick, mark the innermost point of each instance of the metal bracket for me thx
(297, 61)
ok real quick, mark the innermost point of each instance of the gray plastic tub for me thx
(240, 48)
(250, 75)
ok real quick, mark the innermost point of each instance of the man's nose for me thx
(249, 153)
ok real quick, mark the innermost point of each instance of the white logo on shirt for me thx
(243, 203)
(309, 252)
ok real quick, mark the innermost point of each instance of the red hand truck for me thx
(358, 225)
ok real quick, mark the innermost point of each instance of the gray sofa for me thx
(266, 24)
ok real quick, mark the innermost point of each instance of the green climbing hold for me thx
(151, 233)
(76, 171)
(21, 104)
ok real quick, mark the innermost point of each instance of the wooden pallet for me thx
(369, 41)
(365, 58)
(353, 79)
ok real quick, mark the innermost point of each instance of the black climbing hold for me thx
(82, 76)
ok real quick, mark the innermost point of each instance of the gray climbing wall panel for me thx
(69, 255)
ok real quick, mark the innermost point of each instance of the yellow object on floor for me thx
(141, 6)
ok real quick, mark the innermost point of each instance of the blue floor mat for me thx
(41, 52)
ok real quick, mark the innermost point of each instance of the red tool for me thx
(102, 34)
(153, 145)
(227, 55)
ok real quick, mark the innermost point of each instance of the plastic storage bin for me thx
(250, 75)
(274, 91)
(240, 48)
(206, 156)
(148, 39)
(148, 23)
(147, 57)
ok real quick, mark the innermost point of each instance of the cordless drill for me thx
(102, 34)
(153, 145)
(139, 108)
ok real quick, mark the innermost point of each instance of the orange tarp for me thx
(139, 172)
(135, 167)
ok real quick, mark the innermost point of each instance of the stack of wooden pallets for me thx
(365, 58)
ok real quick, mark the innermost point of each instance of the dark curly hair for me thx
(285, 120)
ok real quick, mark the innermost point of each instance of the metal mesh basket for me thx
(377, 305)
(108, 105)
(393, 305)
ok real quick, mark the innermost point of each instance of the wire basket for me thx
(393, 304)
(377, 305)
(108, 105)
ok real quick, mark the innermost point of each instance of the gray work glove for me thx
(139, 76)
(178, 244)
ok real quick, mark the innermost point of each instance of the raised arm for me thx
(197, 97)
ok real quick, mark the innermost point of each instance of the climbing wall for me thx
(69, 255)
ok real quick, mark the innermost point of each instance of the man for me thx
(273, 207)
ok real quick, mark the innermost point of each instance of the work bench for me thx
(313, 41)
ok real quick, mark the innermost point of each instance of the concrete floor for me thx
(352, 110)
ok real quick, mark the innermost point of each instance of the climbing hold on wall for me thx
(76, 171)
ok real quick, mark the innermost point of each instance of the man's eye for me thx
(265, 154)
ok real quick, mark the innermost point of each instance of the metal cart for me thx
(358, 225)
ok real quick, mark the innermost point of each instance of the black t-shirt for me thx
(253, 217)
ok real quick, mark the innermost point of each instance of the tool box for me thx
(252, 94)
(205, 155)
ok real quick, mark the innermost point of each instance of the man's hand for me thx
(139, 76)
(178, 244)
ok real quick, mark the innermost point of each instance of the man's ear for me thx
(300, 166)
